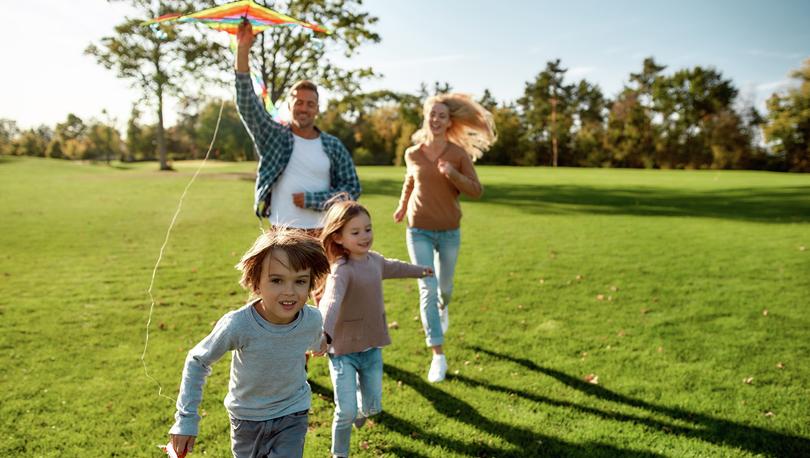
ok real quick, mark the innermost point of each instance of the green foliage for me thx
(232, 142)
(158, 62)
(672, 288)
(8, 135)
(788, 126)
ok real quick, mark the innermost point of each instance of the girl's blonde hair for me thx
(336, 217)
(303, 251)
(471, 128)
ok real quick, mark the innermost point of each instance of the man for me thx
(300, 168)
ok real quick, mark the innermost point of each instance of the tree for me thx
(687, 101)
(68, 139)
(546, 106)
(8, 135)
(511, 146)
(630, 136)
(231, 143)
(589, 125)
(156, 61)
(139, 143)
(787, 129)
(33, 142)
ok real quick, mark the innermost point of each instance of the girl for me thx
(354, 316)
(455, 132)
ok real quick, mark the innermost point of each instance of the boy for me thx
(268, 394)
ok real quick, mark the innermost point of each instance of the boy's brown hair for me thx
(303, 251)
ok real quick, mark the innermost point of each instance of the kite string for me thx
(162, 249)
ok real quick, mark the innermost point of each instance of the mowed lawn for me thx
(596, 313)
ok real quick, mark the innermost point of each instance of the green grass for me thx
(654, 281)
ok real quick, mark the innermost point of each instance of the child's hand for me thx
(322, 350)
(180, 445)
(428, 272)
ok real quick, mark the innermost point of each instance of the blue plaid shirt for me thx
(273, 143)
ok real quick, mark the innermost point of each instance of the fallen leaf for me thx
(660, 349)
(542, 281)
(477, 356)
(466, 363)
(600, 297)
(520, 306)
(614, 288)
(748, 380)
(780, 365)
(621, 333)
(393, 325)
(768, 414)
(802, 248)
(416, 318)
(456, 372)
(579, 277)
(162, 326)
(364, 445)
(592, 379)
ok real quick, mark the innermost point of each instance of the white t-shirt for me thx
(307, 171)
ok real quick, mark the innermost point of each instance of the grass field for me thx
(684, 294)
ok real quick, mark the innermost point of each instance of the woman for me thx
(455, 132)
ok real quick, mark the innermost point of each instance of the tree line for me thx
(687, 118)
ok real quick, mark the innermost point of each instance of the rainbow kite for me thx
(227, 18)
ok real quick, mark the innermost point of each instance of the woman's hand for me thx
(446, 168)
(399, 214)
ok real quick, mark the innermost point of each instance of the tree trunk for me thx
(161, 134)
(554, 131)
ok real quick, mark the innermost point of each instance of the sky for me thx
(471, 44)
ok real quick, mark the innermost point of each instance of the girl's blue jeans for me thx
(357, 381)
(439, 250)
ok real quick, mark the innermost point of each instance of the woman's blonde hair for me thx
(471, 128)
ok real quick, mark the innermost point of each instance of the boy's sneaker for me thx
(360, 420)
(444, 316)
(438, 369)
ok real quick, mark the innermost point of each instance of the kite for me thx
(227, 18)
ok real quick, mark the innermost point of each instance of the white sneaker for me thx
(438, 369)
(444, 316)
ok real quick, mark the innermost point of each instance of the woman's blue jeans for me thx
(439, 250)
(357, 381)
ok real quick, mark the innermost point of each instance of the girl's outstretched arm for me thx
(394, 268)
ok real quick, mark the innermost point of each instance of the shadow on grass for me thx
(321, 391)
(706, 428)
(773, 204)
(525, 441)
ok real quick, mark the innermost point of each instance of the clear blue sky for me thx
(472, 44)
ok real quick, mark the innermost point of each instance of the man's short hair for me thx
(306, 85)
